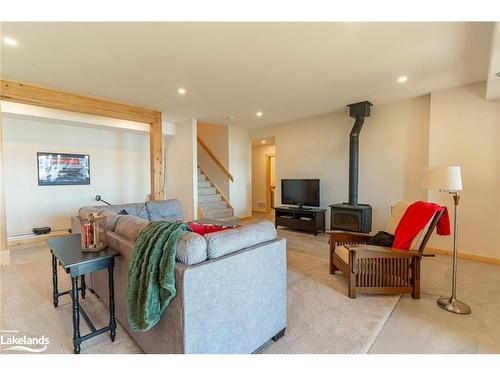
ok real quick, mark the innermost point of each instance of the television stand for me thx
(300, 208)
(310, 220)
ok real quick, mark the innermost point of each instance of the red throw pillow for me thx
(207, 228)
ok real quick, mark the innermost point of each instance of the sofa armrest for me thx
(228, 297)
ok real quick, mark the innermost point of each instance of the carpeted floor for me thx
(321, 318)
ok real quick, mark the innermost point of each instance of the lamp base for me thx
(454, 305)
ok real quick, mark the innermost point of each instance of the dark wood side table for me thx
(68, 252)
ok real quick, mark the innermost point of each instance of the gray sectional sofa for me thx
(231, 285)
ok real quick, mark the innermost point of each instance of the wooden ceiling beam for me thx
(68, 101)
(25, 93)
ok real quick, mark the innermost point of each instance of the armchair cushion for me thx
(397, 214)
(342, 253)
(395, 218)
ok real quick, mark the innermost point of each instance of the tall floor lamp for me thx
(448, 179)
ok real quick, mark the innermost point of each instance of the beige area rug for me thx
(321, 318)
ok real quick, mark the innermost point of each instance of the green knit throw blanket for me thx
(151, 274)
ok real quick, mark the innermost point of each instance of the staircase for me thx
(214, 208)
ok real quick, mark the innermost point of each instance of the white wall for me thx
(215, 138)
(259, 153)
(393, 153)
(119, 170)
(240, 165)
(465, 131)
(181, 169)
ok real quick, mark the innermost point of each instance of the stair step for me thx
(218, 211)
(212, 205)
(232, 220)
(204, 183)
(209, 198)
(218, 214)
(202, 178)
(206, 191)
(217, 217)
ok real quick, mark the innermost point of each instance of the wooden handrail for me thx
(214, 158)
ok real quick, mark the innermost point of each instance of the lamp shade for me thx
(442, 178)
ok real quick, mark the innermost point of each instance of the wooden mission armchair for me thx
(378, 269)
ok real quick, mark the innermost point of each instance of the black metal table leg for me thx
(83, 286)
(112, 322)
(55, 292)
(76, 315)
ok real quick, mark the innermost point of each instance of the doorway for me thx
(270, 181)
(263, 175)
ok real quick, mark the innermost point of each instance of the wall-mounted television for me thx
(300, 192)
(63, 169)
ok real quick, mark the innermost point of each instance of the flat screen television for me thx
(300, 192)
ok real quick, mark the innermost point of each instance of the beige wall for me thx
(4, 253)
(216, 139)
(259, 153)
(465, 131)
(393, 153)
(180, 169)
(240, 165)
(119, 170)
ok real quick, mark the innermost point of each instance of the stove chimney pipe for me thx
(358, 111)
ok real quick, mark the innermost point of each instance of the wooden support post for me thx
(156, 159)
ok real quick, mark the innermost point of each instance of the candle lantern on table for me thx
(94, 232)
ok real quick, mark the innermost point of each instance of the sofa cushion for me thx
(168, 210)
(111, 219)
(202, 228)
(191, 249)
(231, 240)
(137, 209)
(129, 226)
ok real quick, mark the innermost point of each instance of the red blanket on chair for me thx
(415, 218)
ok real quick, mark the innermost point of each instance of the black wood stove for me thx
(353, 216)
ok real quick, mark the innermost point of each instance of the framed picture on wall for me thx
(63, 169)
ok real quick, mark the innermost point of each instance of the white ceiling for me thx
(286, 70)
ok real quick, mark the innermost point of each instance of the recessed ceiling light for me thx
(182, 91)
(263, 141)
(230, 118)
(9, 41)
(402, 79)
(259, 114)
